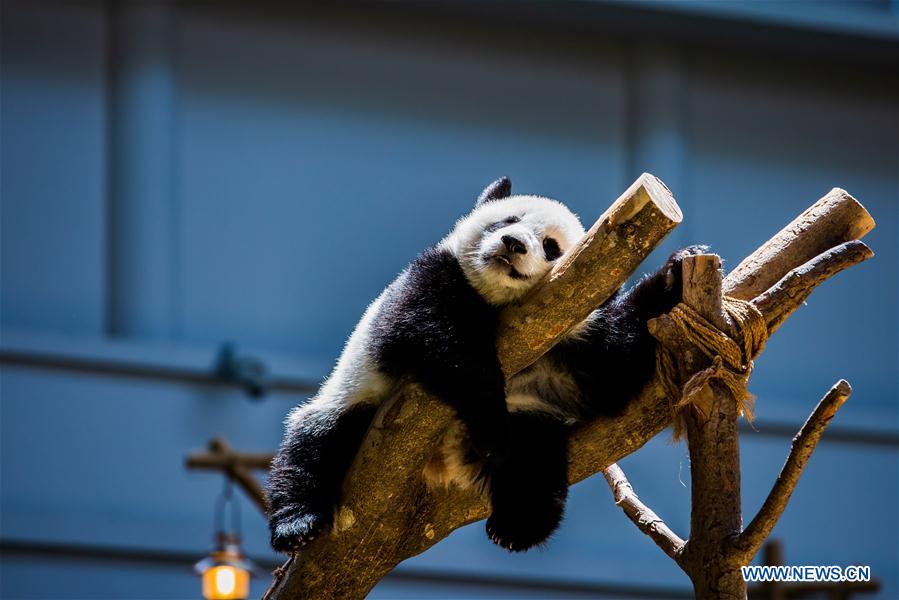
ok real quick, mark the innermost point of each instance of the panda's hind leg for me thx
(529, 485)
(307, 474)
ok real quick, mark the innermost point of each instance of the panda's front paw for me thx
(293, 529)
(673, 268)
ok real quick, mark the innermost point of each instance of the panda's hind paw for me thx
(293, 531)
(521, 528)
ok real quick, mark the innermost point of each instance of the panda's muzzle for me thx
(506, 261)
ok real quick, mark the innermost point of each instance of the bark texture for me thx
(642, 516)
(749, 542)
(832, 220)
(714, 446)
(718, 546)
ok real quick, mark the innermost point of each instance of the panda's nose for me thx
(514, 245)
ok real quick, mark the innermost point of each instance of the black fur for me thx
(305, 481)
(501, 188)
(616, 357)
(436, 328)
(528, 487)
(500, 224)
(551, 249)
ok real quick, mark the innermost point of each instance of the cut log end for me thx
(661, 196)
(863, 222)
(843, 388)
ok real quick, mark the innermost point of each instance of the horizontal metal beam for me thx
(840, 435)
(167, 362)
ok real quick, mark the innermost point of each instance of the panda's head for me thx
(508, 243)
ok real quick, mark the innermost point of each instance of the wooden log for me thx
(832, 220)
(605, 441)
(782, 298)
(714, 445)
(788, 294)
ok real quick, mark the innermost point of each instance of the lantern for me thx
(226, 571)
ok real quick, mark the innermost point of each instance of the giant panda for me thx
(436, 323)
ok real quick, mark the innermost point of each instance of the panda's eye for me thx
(551, 249)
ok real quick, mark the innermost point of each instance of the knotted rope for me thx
(731, 358)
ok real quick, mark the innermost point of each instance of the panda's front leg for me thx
(475, 389)
(658, 292)
(529, 486)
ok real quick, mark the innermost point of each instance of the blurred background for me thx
(181, 176)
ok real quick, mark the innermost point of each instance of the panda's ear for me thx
(501, 188)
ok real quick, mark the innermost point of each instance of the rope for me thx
(731, 358)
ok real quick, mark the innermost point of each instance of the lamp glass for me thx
(226, 582)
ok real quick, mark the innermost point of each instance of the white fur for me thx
(540, 217)
(447, 466)
(355, 379)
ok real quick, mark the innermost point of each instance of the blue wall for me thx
(177, 177)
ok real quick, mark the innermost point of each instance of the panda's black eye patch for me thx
(500, 224)
(551, 249)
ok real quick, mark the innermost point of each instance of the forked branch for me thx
(781, 299)
(717, 547)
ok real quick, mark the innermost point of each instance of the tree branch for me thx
(604, 441)
(781, 299)
(749, 542)
(641, 515)
(832, 220)
(717, 548)
(714, 446)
